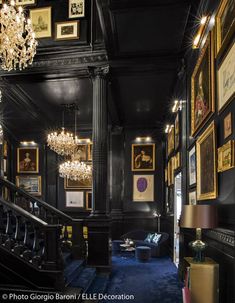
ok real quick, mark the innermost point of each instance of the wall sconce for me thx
(28, 143)
(199, 35)
(143, 139)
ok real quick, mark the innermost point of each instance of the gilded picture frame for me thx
(171, 140)
(41, 21)
(28, 160)
(31, 184)
(225, 24)
(72, 184)
(206, 164)
(226, 79)
(202, 87)
(226, 156)
(228, 127)
(143, 157)
(89, 152)
(177, 131)
(68, 30)
(89, 200)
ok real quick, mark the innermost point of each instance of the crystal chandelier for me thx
(62, 143)
(17, 38)
(75, 170)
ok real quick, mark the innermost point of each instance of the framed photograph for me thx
(89, 152)
(143, 188)
(226, 156)
(72, 184)
(192, 166)
(202, 87)
(76, 8)
(177, 131)
(226, 79)
(225, 23)
(206, 165)
(75, 199)
(171, 140)
(67, 30)
(88, 200)
(192, 198)
(27, 160)
(41, 20)
(25, 2)
(228, 125)
(31, 184)
(143, 157)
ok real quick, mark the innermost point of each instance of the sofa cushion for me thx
(156, 238)
(149, 238)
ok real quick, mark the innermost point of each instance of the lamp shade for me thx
(198, 216)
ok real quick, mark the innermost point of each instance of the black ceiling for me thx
(144, 41)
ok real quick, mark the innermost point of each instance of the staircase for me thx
(36, 252)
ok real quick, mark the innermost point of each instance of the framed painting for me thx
(72, 184)
(31, 184)
(171, 140)
(27, 160)
(76, 8)
(82, 151)
(143, 188)
(226, 156)
(143, 157)
(41, 21)
(89, 152)
(25, 2)
(192, 197)
(5, 148)
(225, 23)
(206, 165)
(75, 199)
(226, 79)
(202, 87)
(88, 200)
(228, 125)
(177, 131)
(192, 166)
(67, 30)
(177, 162)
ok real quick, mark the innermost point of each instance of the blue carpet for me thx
(155, 281)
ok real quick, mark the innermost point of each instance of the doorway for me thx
(177, 212)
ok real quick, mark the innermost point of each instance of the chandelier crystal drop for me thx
(17, 38)
(75, 170)
(62, 143)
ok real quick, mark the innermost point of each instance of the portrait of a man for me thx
(27, 160)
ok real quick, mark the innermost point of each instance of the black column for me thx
(98, 222)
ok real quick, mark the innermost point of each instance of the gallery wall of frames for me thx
(207, 149)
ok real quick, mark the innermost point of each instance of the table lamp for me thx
(198, 216)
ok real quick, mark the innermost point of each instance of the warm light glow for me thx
(167, 128)
(28, 143)
(75, 170)
(200, 32)
(138, 139)
(18, 44)
(63, 143)
(148, 139)
(203, 20)
(196, 40)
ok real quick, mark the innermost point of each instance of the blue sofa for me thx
(139, 236)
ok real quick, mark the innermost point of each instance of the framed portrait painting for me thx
(31, 184)
(228, 125)
(76, 8)
(143, 188)
(192, 166)
(225, 23)
(67, 30)
(226, 156)
(202, 87)
(75, 199)
(192, 197)
(171, 140)
(206, 165)
(88, 200)
(143, 157)
(27, 160)
(41, 21)
(226, 79)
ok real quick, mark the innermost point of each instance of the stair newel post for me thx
(78, 241)
(52, 259)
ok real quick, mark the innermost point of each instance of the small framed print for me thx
(67, 30)
(27, 160)
(41, 21)
(192, 197)
(192, 166)
(25, 2)
(31, 184)
(226, 156)
(143, 157)
(77, 184)
(228, 125)
(88, 200)
(143, 188)
(75, 199)
(76, 8)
